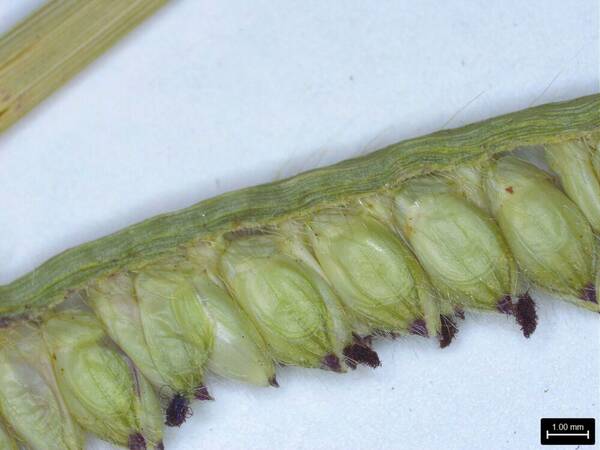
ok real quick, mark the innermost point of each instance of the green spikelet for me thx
(292, 306)
(97, 382)
(548, 234)
(176, 328)
(460, 247)
(30, 399)
(239, 351)
(377, 278)
(573, 162)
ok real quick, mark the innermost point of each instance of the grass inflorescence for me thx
(309, 271)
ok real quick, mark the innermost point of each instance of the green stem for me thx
(272, 203)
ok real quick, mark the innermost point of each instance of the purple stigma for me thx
(360, 353)
(526, 315)
(201, 393)
(419, 327)
(447, 331)
(589, 294)
(332, 362)
(505, 305)
(177, 411)
(136, 442)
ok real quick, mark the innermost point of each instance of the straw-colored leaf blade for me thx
(55, 43)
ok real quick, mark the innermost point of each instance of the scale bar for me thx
(568, 431)
(586, 434)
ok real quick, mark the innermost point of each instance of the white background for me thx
(210, 96)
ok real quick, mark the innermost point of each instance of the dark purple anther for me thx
(332, 362)
(137, 442)
(589, 293)
(360, 353)
(447, 332)
(526, 315)
(505, 305)
(201, 393)
(177, 411)
(419, 328)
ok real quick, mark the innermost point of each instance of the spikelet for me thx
(378, 280)
(239, 352)
(573, 163)
(293, 307)
(155, 317)
(102, 389)
(461, 249)
(30, 400)
(549, 236)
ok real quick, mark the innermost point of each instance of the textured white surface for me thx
(210, 96)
